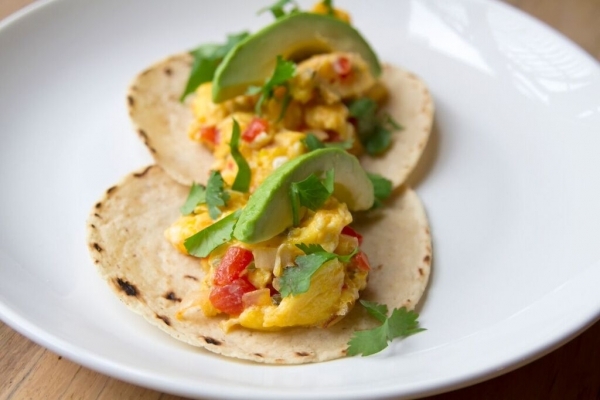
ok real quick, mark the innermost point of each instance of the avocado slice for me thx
(269, 209)
(294, 37)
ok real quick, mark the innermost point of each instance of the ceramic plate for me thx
(509, 179)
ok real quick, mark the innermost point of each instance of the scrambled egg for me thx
(318, 95)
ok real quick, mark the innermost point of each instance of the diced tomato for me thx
(256, 126)
(228, 298)
(361, 261)
(347, 230)
(209, 134)
(233, 263)
(332, 136)
(342, 66)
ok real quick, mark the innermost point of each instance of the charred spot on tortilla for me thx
(302, 354)
(131, 101)
(164, 319)
(168, 71)
(191, 277)
(110, 189)
(172, 296)
(258, 355)
(144, 172)
(97, 247)
(128, 288)
(98, 205)
(210, 340)
(427, 259)
(143, 134)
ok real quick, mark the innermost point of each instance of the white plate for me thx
(510, 182)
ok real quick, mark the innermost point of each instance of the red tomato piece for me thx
(228, 298)
(209, 134)
(233, 263)
(361, 261)
(256, 126)
(347, 230)
(342, 66)
(332, 136)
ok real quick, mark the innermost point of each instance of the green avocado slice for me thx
(294, 37)
(269, 209)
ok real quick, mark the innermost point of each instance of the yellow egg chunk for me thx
(322, 227)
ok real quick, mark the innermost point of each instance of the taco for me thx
(126, 240)
(181, 135)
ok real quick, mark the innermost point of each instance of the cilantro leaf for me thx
(296, 279)
(312, 142)
(401, 323)
(368, 342)
(379, 311)
(283, 72)
(311, 192)
(278, 8)
(329, 6)
(196, 196)
(204, 242)
(382, 188)
(379, 141)
(206, 60)
(216, 196)
(242, 179)
(310, 248)
(375, 132)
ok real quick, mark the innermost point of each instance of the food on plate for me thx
(290, 236)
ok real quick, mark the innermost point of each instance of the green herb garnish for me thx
(204, 242)
(206, 60)
(242, 179)
(374, 131)
(216, 196)
(278, 8)
(312, 142)
(196, 196)
(382, 188)
(401, 323)
(311, 193)
(296, 279)
(329, 6)
(284, 71)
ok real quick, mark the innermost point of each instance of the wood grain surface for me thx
(28, 371)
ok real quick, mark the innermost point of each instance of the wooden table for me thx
(28, 371)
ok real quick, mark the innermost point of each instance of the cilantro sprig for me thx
(278, 8)
(244, 174)
(206, 60)
(216, 195)
(283, 72)
(196, 196)
(401, 323)
(382, 188)
(312, 142)
(374, 131)
(204, 242)
(311, 193)
(296, 279)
